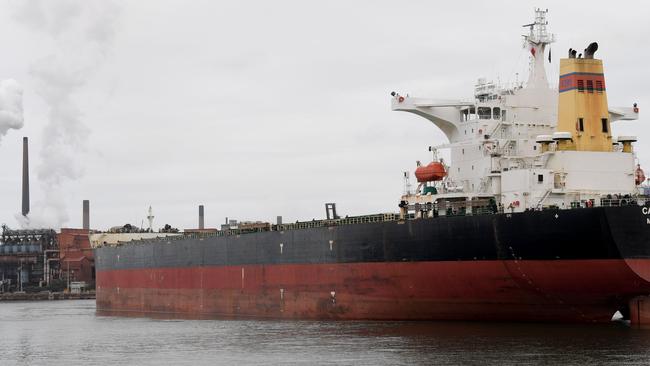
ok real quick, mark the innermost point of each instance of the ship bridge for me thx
(493, 138)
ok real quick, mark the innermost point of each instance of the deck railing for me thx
(625, 201)
(385, 217)
(365, 219)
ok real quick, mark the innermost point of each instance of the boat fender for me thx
(636, 109)
(400, 99)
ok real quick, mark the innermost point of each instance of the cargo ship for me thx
(540, 216)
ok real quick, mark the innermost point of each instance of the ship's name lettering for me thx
(645, 210)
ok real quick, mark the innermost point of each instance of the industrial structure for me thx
(37, 259)
(25, 202)
(34, 259)
(28, 258)
(77, 263)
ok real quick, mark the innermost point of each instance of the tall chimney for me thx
(25, 209)
(86, 215)
(201, 218)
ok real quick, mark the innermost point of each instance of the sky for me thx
(257, 109)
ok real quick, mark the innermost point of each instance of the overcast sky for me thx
(258, 108)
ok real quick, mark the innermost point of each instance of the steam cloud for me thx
(81, 32)
(11, 106)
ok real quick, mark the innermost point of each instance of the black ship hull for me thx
(551, 265)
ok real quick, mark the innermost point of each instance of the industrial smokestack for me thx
(201, 218)
(86, 215)
(25, 209)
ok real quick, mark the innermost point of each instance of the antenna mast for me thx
(150, 219)
(536, 41)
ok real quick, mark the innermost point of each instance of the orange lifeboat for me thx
(433, 172)
(639, 176)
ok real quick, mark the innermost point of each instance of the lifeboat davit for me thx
(433, 172)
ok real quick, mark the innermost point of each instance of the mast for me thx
(536, 41)
(150, 219)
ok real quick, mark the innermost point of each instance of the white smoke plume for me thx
(81, 33)
(11, 106)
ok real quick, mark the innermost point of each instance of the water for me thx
(69, 333)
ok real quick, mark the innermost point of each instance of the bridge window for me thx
(581, 86)
(590, 86)
(496, 112)
(468, 114)
(484, 112)
(503, 115)
(540, 178)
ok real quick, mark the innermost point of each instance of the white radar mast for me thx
(150, 218)
(536, 41)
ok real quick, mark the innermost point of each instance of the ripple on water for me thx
(69, 333)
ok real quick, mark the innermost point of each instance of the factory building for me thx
(37, 259)
(76, 255)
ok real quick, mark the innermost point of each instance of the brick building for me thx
(76, 255)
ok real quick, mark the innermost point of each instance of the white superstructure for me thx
(505, 148)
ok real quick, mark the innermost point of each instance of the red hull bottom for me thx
(549, 291)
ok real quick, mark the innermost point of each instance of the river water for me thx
(69, 333)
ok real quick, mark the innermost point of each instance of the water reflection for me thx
(70, 333)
